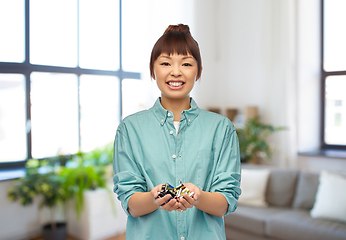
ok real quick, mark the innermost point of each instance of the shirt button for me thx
(174, 156)
(168, 114)
(162, 121)
(171, 132)
(182, 238)
(189, 120)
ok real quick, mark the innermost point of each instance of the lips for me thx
(175, 84)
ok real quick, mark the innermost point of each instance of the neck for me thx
(176, 106)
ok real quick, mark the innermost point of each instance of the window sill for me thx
(9, 174)
(329, 153)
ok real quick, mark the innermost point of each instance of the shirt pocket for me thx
(204, 167)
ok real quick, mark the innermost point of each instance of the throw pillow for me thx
(253, 185)
(306, 190)
(281, 187)
(330, 197)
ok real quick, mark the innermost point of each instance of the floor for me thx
(118, 237)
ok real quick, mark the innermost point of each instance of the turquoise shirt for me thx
(205, 152)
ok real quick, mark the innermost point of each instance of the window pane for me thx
(334, 35)
(99, 101)
(12, 117)
(335, 111)
(138, 95)
(136, 51)
(54, 114)
(99, 34)
(12, 40)
(53, 32)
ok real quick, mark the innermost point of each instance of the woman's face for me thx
(175, 75)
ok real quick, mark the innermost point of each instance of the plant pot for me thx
(58, 234)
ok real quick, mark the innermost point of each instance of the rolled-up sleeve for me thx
(127, 176)
(227, 174)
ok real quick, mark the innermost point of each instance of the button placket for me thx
(180, 177)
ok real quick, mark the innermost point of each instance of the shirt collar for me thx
(162, 114)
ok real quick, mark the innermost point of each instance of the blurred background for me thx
(71, 70)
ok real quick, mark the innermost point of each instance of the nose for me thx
(176, 70)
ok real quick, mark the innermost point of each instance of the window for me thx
(60, 77)
(333, 74)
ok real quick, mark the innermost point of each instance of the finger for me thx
(170, 206)
(188, 199)
(162, 201)
(185, 203)
(195, 198)
(182, 207)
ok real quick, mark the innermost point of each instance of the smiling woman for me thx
(163, 144)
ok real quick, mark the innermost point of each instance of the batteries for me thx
(175, 192)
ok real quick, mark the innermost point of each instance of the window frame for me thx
(324, 75)
(26, 68)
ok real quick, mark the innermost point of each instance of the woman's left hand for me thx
(187, 201)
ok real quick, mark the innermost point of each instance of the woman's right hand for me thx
(165, 203)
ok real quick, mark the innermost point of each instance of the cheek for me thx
(193, 76)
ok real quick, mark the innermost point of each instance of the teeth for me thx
(175, 84)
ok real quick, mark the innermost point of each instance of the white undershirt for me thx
(176, 125)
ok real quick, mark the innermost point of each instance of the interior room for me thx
(70, 71)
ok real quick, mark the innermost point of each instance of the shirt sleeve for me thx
(227, 174)
(127, 176)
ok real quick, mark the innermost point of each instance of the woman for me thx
(176, 142)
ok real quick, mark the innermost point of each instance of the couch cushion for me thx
(253, 186)
(281, 187)
(298, 225)
(306, 190)
(251, 219)
(331, 197)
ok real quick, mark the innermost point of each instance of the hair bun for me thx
(178, 28)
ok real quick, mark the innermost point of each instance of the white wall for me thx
(266, 53)
(248, 51)
(308, 73)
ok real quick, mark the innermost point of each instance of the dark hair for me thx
(176, 39)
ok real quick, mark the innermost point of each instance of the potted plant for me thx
(45, 182)
(99, 156)
(86, 180)
(102, 156)
(80, 178)
(252, 140)
(55, 184)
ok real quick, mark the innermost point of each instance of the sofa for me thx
(289, 204)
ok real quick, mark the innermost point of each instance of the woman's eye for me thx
(187, 64)
(165, 64)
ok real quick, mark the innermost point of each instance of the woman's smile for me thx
(175, 85)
